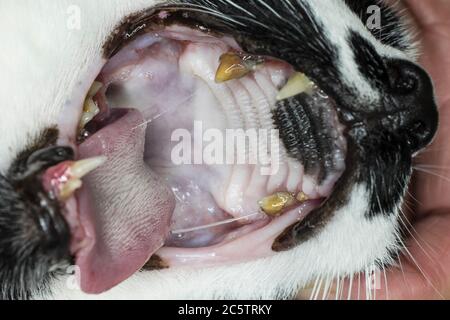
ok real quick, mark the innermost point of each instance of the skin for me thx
(429, 244)
(424, 272)
(423, 269)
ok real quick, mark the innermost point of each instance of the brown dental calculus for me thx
(155, 263)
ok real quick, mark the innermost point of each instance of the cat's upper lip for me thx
(119, 236)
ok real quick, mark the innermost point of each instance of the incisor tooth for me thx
(275, 204)
(82, 167)
(297, 83)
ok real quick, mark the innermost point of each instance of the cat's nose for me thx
(412, 92)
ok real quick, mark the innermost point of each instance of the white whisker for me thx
(217, 224)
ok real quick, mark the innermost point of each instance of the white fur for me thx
(45, 66)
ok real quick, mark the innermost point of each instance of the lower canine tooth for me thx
(69, 188)
(76, 171)
(274, 205)
(297, 83)
(235, 66)
(82, 167)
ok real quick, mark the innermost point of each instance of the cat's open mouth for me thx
(157, 125)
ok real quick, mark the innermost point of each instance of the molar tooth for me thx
(297, 83)
(275, 204)
(235, 66)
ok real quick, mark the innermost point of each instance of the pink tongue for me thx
(124, 207)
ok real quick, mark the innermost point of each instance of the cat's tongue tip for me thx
(125, 208)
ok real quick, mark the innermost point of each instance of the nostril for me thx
(406, 85)
(404, 80)
(420, 128)
(420, 134)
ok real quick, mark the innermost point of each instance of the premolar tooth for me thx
(302, 197)
(82, 167)
(90, 110)
(90, 107)
(275, 204)
(235, 66)
(95, 88)
(297, 83)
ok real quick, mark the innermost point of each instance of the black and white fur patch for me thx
(327, 39)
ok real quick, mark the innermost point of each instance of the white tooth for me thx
(82, 167)
(90, 110)
(69, 188)
(297, 83)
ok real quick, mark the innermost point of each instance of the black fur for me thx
(392, 31)
(381, 131)
(34, 236)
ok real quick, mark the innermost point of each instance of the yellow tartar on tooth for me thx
(275, 204)
(302, 197)
(231, 67)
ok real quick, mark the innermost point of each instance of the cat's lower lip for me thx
(130, 207)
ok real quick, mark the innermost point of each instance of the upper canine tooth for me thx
(275, 204)
(235, 66)
(297, 83)
(81, 168)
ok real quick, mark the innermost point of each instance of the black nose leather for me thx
(412, 96)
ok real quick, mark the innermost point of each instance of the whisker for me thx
(315, 287)
(433, 174)
(327, 288)
(359, 286)
(350, 287)
(170, 109)
(316, 297)
(410, 229)
(216, 224)
(427, 279)
(386, 283)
